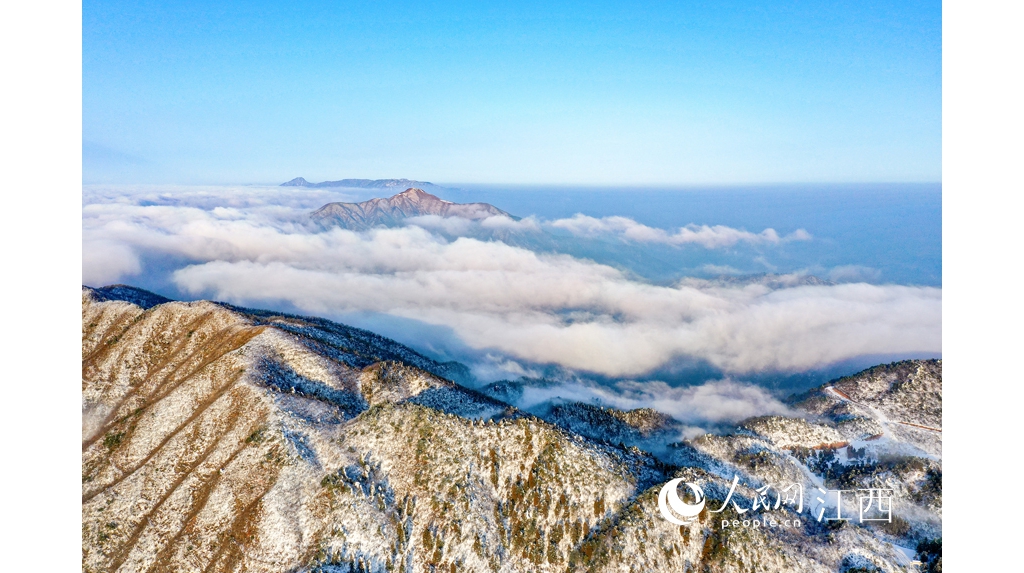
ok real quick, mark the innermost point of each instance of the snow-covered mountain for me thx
(218, 438)
(391, 211)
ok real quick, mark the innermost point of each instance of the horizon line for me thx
(628, 185)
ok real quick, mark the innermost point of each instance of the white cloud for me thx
(711, 237)
(713, 402)
(539, 308)
(449, 225)
(502, 222)
(107, 262)
(460, 226)
(589, 317)
(497, 367)
(853, 273)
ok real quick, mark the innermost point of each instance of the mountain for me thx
(219, 438)
(901, 401)
(392, 210)
(364, 184)
(131, 294)
(643, 427)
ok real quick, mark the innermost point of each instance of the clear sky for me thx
(645, 92)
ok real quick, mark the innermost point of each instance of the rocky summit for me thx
(218, 438)
(391, 211)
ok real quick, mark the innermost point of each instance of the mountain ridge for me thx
(187, 403)
(228, 439)
(362, 183)
(391, 211)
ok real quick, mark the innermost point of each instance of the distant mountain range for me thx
(218, 438)
(364, 184)
(391, 211)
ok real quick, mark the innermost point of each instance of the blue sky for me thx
(600, 93)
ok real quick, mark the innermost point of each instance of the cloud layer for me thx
(541, 308)
(714, 402)
(623, 228)
(710, 237)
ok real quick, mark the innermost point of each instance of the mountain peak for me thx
(419, 196)
(297, 182)
(391, 211)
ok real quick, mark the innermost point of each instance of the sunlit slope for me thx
(225, 439)
(218, 442)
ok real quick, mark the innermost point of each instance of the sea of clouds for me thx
(253, 245)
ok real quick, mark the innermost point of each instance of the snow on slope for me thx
(217, 438)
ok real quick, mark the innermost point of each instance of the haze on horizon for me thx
(552, 93)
